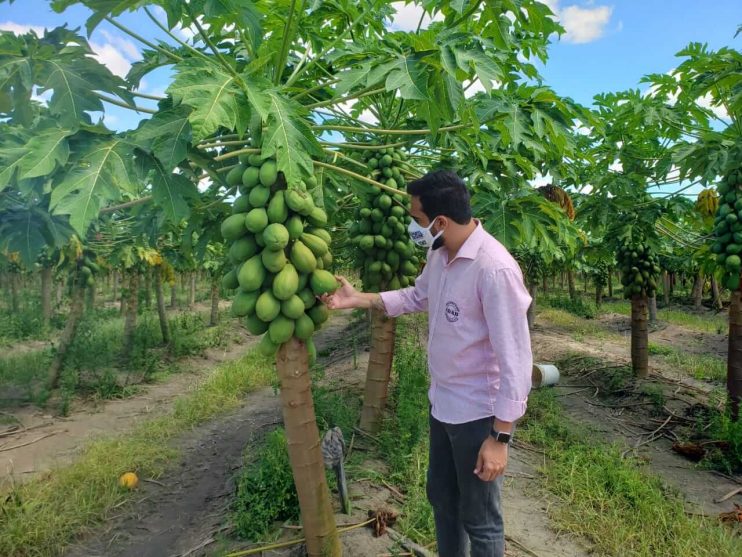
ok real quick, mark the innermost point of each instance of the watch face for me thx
(501, 437)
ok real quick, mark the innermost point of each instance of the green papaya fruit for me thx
(241, 204)
(233, 227)
(286, 282)
(250, 177)
(323, 282)
(255, 325)
(275, 236)
(274, 261)
(281, 329)
(234, 176)
(229, 281)
(277, 211)
(256, 220)
(259, 196)
(295, 227)
(303, 258)
(293, 308)
(267, 347)
(243, 249)
(304, 327)
(268, 173)
(319, 314)
(244, 303)
(267, 306)
(307, 297)
(252, 274)
(314, 243)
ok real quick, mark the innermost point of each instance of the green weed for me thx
(265, 490)
(578, 307)
(614, 502)
(43, 515)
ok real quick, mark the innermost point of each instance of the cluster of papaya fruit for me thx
(728, 229)
(279, 246)
(384, 252)
(87, 269)
(639, 268)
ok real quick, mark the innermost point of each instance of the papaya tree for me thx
(259, 92)
(710, 151)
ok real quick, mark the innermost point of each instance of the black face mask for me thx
(439, 242)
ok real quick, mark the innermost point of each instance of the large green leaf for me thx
(47, 149)
(100, 176)
(288, 136)
(407, 75)
(171, 191)
(167, 134)
(211, 92)
(74, 79)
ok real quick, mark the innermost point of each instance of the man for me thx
(479, 357)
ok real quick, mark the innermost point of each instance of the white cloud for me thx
(541, 180)
(111, 57)
(582, 24)
(408, 16)
(365, 116)
(20, 28)
(126, 46)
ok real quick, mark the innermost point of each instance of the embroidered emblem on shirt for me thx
(452, 312)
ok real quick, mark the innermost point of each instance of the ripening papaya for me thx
(281, 329)
(252, 274)
(286, 282)
(256, 220)
(322, 282)
(304, 327)
(314, 243)
(233, 227)
(267, 306)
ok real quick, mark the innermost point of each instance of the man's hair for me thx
(442, 193)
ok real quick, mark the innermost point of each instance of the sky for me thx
(608, 45)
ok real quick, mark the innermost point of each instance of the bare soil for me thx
(186, 513)
(46, 441)
(632, 421)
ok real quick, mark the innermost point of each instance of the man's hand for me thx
(492, 459)
(345, 297)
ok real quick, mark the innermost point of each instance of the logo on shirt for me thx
(452, 312)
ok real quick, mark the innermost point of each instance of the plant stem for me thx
(142, 40)
(345, 157)
(146, 96)
(287, 37)
(122, 104)
(363, 147)
(172, 35)
(134, 203)
(321, 55)
(387, 132)
(236, 154)
(352, 174)
(466, 16)
(344, 99)
(313, 89)
(212, 46)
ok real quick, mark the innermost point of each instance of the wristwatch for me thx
(501, 436)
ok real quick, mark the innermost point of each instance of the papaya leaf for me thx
(167, 134)
(288, 138)
(101, 175)
(46, 150)
(170, 192)
(407, 75)
(211, 92)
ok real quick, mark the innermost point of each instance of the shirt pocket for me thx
(461, 308)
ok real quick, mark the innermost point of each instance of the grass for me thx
(616, 503)
(41, 516)
(699, 366)
(94, 367)
(715, 323)
(576, 326)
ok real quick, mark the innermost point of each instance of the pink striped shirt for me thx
(479, 347)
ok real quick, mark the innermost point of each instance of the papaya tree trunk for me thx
(544, 286)
(68, 335)
(379, 370)
(148, 288)
(173, 295)
(46, 296)
(598, 295)
(666, 287)
(715, 294)
(653, 309)
(91, 297)
(214, 319)
(531, 314)
(13, 279)
(305, 455)
(192, 290)
(584, 281)
(697, 291)
(639, 335)
(610, 283)
(115, 286)
(161, 313)
(734, 357)
(60, 293)
(132, 307)
(571, 285)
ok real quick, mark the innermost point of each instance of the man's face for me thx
(417, 213)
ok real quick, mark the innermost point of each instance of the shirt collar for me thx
(470, 248)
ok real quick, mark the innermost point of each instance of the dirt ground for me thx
(185, 513)
(632, 424)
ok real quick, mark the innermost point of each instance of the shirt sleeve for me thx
(505, 302)
(408, 300)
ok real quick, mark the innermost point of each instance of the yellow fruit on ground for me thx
(129, 480)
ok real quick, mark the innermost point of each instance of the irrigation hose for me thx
(280, 545)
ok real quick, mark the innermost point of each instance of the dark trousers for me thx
(467, 510)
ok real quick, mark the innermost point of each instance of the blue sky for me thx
(609, 45)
